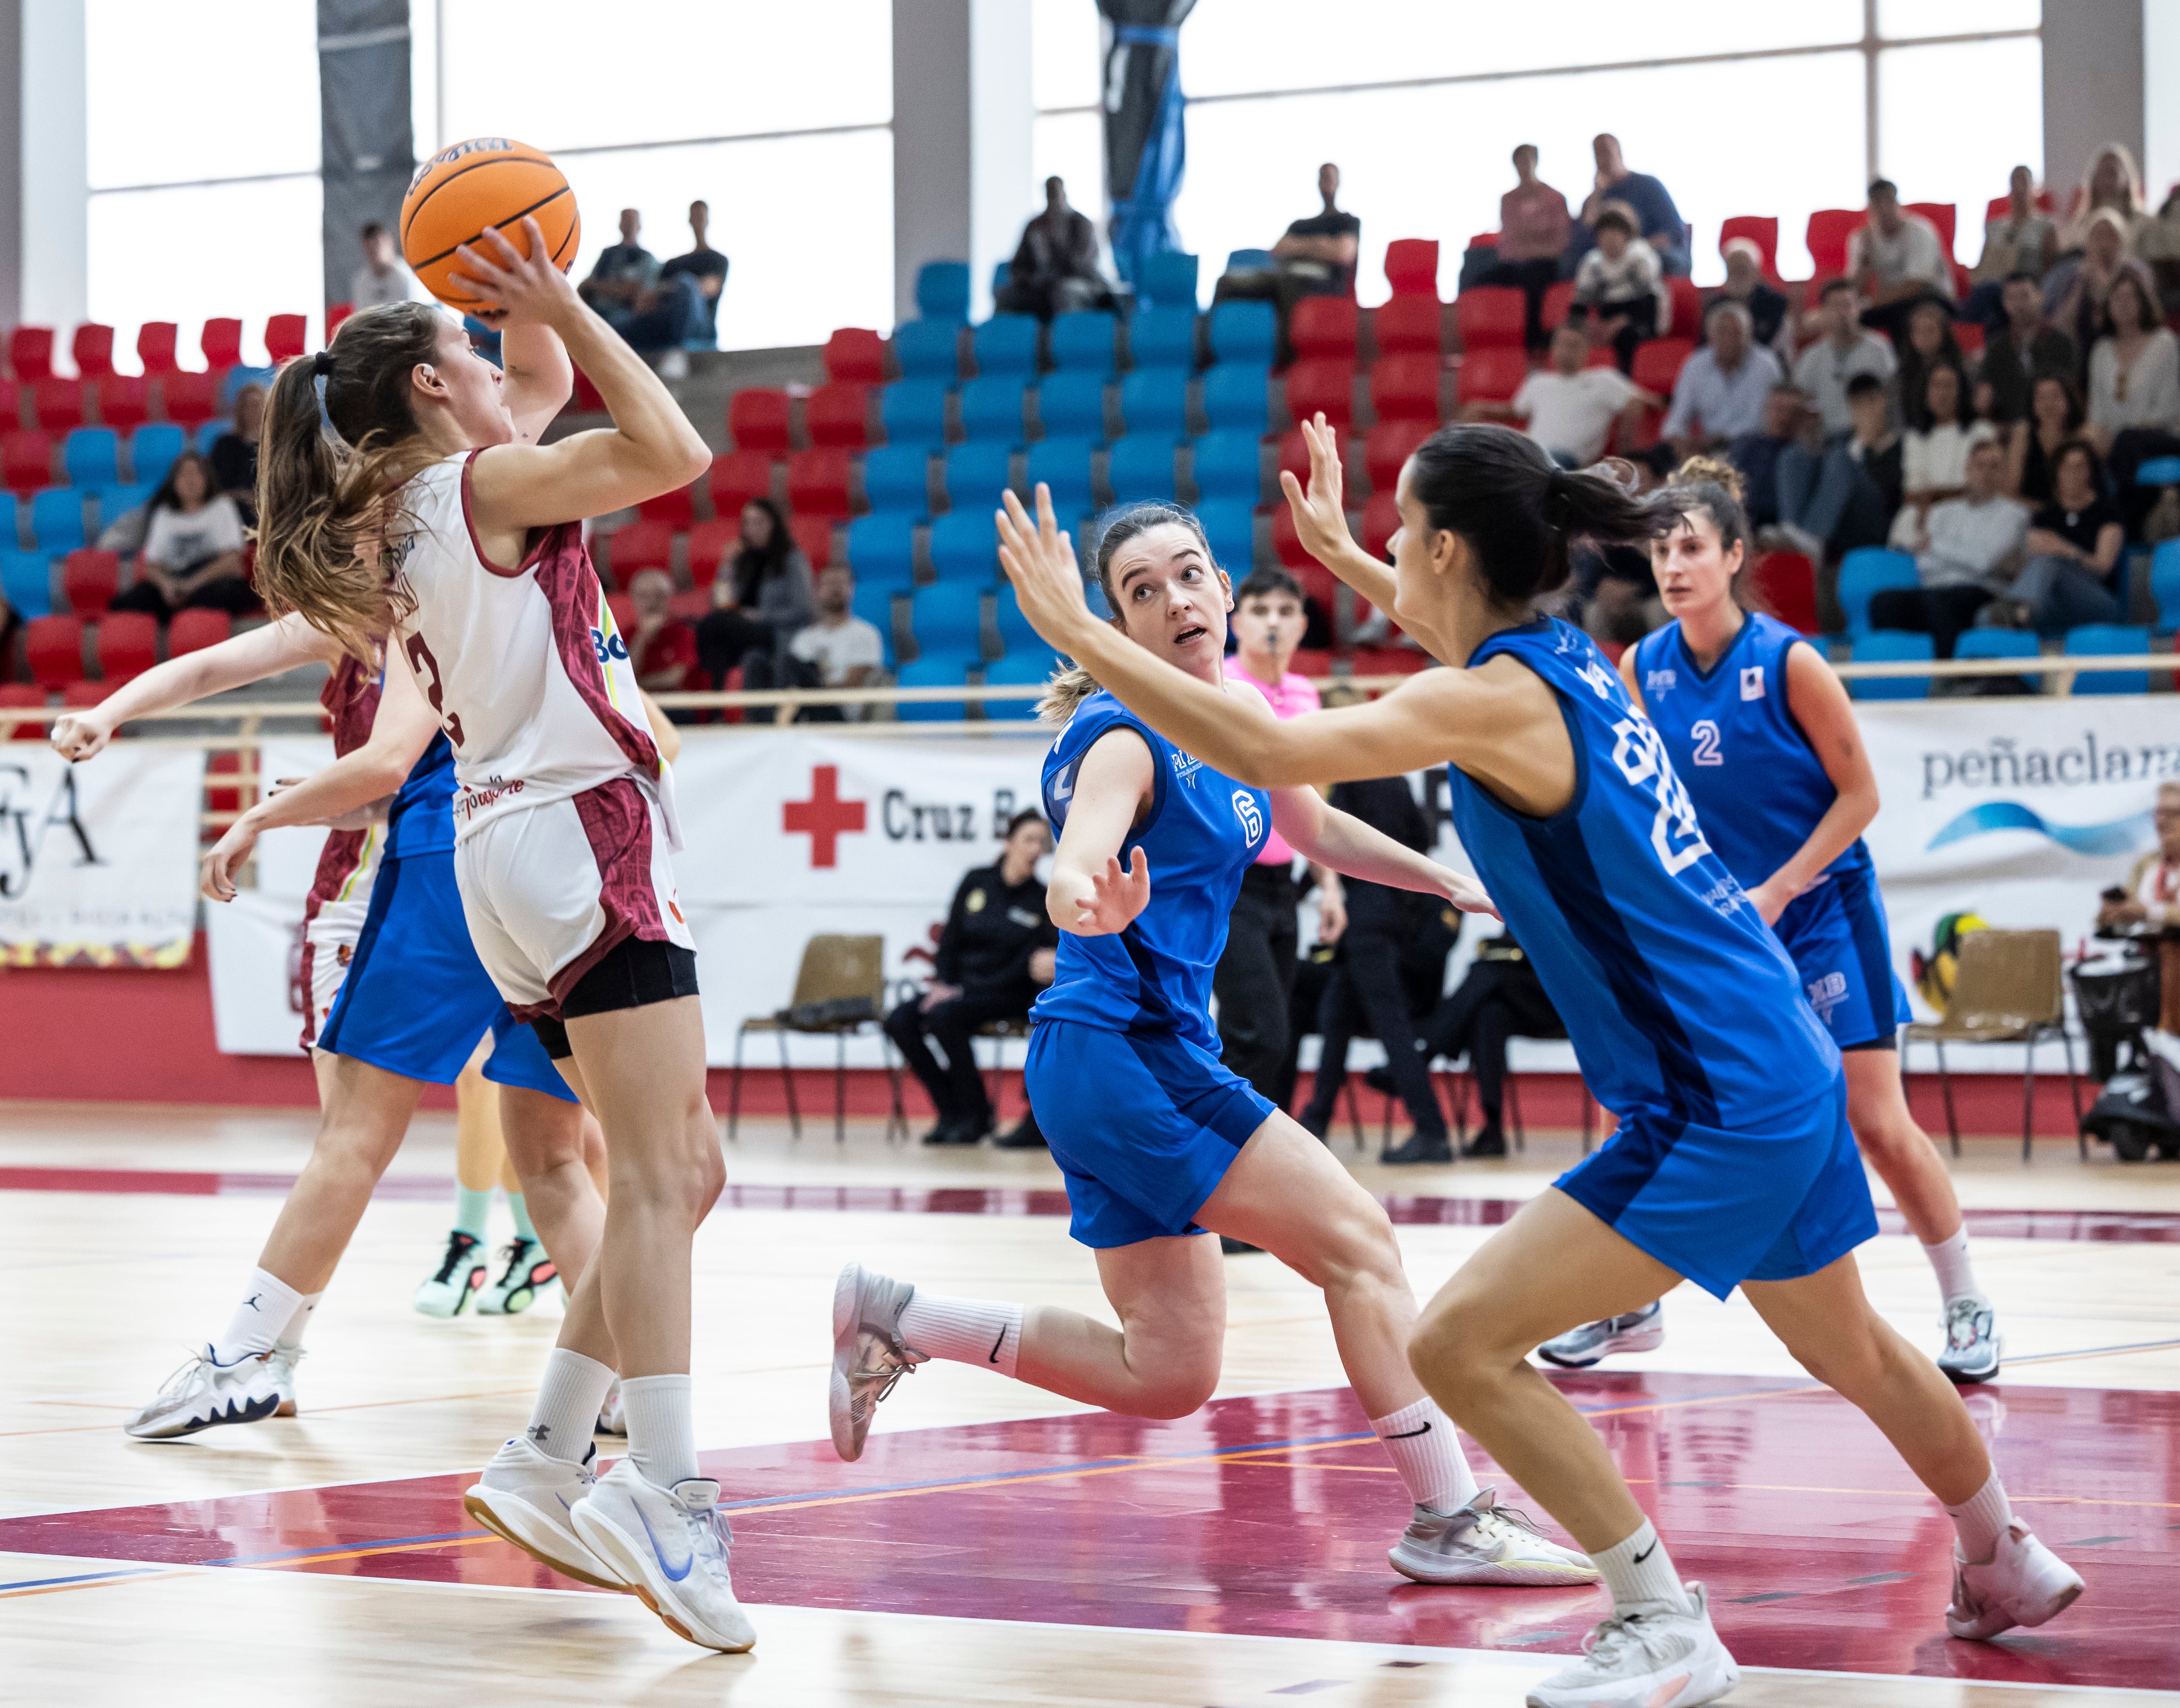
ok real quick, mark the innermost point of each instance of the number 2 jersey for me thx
(1679, 1000)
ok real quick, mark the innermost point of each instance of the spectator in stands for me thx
(235, 452)
(2134, 385)
(2151, 896)
(2074, 573)
(1621, 284)
(1786, 424)
(761, 598)
(2020, 346)
(192, 555)
(1533, 225)
(2110, 185)
(1054, 270)
(2074, 291)
(1929, 344)
(1317, 255)
(2020, 239)
(623, 272)
(994, 955)
(1657, 221)
(664, 648)
(1934, 451)
(1846, 495)
(1896, 260)
(1825, 371)
(655, 311)
(1500, 997)
(706, 267)
(1569, 407)
(1722, 386)
(836, 649)
(1966, 551)
(2054, 417)
(384, 277)
(1745, 284)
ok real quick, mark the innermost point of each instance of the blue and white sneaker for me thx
(525, 1496)
(1639, 1330)
(670, 1546)
(1973, 1344)
(202, 1395)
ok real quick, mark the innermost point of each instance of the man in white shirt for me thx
(383, 277)
(1823, 370)
(1569, 408)
(1896, 259)
(847, 651)
(1968, 550)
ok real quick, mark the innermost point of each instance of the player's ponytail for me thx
(1520, 512)
(324, 502)
(1072, 684)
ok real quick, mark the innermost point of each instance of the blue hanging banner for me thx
(1146, 129)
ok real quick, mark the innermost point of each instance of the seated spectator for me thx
(192, 555)
(1934, 453)
(1533, 224)
(761, 598)
(1745, 283)
(623, 272)
(2073, 574)
(1757, 454)
(2134, 385)
(1966, 553)
(706, 267)
(836, 649)
(1054, 270)
(1620, 285)
(1657, 221)
(664, 648)
(1929, 344)
(2112, 184)
(2152, 898)
(2055, 416)
(629, 289)
(1825, 372)
(235, 452)
(1317, 255)
(1500, 997)
(2019, 240)
(2074, 291)
(384, 277)
(1722, 386)
(1896, 259)
(2020, 346)
(994, 953)
(2157, 246)
(1569, 407)
(1846, 494)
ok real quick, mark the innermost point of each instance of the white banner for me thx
(98, 862)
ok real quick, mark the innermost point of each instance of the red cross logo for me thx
(824, 818)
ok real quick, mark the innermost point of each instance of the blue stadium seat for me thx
(153, 448)
(2165, 584)
(949, 619)
(1093, 595)
(977, 475)
(1244, 332)
(928, 349)
(914, 412)
(1015, 636)
(57, 519)
(1084, 342)
(117, 500)
(208, 435)
(897, 479)
(1163, 338)
(942, 290)
(934, 672)
(882, 551)
(1996, 643)
(2109, 640)
(26, 582)
(1007, 345)
(874, 604)
(1064, 465)
(1141, 467)
(10, 522)
(1891, 646)
(1169, 280)
(2157, 471)
(1252, 261)
(1868, 570)
(93, 456)
(991, 408)
(230, 386)
(1072, 406)
(1228, 465)
(1237, 398)
(965, 545)
(1030, 667)
(1230, 525)
(1155, 401)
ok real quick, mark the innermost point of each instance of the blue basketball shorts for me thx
(1837, 935)
(1143, 1125)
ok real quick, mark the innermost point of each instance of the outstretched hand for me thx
(1470, 896)
(1116, 897)
(80, 734)
(517, 289)
(216, 880)
(1320, 514)
(1039, 559)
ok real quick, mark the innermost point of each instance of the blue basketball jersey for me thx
(1758, 787)
(1202, 831)
(1679, 1000)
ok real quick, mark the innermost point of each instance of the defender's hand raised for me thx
(1117, 897)
(1319, 514)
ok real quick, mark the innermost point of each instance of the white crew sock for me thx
(1639, 1569)
(968, 1330)
(291, 1336)
(1982, 1521)
(1956, 1272)
(566, 1414)
(266, 1307)
(662, 1434)
(1420, 1440)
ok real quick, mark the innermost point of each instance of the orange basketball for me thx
(487, 182)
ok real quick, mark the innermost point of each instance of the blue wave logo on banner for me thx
(2121, 836)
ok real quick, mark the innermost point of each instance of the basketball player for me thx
(563, 817)
(1733, 1164)
(1159, 1140)
(1763, 736)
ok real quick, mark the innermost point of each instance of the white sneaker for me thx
(461, 1271)
(525, 1272)
(2023, 1583)
(613, 1415)
(1485, 1543)
(1973, 1344)
(1639, 1330)
(525, 1496)
(1648, 1656)
(280, 1364)
(868, 1355)
(670, 1547)
(201, 1395)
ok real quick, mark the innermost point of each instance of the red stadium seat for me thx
(1324, 326)
(1829, 227)
(1285, 542)
(677, 509)
(58, 404)
(855, 356)
(757, 417)
(155, 347)
(709, 544)
(690, 607)
(128, 646)
(1389, 661)
(125, 402)
(1411, 266)
(1760, 229)
(221, 344)
(1320, 586)
(838, 413)
(335, 314)
(192, 631)
(1785, 583)
(813, 537)
(85, 692)
(1381, 521)
(738, 477)
(90, 578)
(21, 696)
(1311, 662)
(1969, 335)
(92, 346)
(1688, 309)
(286, 338)
(624, 611)
(639, 545)
(30, 352)
(818, 482)
(1491, 317)
(583, 398)
(1294, 457)
(228, 798)
(1943, 215)
(1325, 383)
(1407, 322)
(1484, 239)
(1658, 363)
(52, 646)
(190, 400)
(11, 404)
(1388, 446)
(1404, 388)
(1559, 301)
(1492, 375)
(26, 460)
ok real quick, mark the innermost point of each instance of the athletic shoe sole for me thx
(256, 1412)
(1495, 1571)
(847, 1302)
(519, 1522)
(1705, 1681)
(1635, 1340)
(1969, 1376)
(606, 1541)
(1997, 1621)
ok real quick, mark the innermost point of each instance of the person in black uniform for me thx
(993, 956)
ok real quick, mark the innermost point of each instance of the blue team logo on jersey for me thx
(608, 647)
(1185, 766)
(1657, 682)
(1251, 817)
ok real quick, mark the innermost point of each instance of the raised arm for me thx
(1821, 705)
(236, 664)
(1321, 832)
(1321, 519)
(1089, 894)
(539, 378)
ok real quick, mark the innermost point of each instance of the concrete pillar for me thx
(2093, 84)
(2160, 97)
(44, 177)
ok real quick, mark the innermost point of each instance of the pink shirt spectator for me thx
(1294, 695)
(1533, 222)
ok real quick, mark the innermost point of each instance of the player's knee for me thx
(1176, 1392)
(1449, 1348)
(1353, 1247)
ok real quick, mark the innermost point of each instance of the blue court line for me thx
(344, 1547)
(86, 1578)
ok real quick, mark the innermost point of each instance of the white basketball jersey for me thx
(525, 667)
